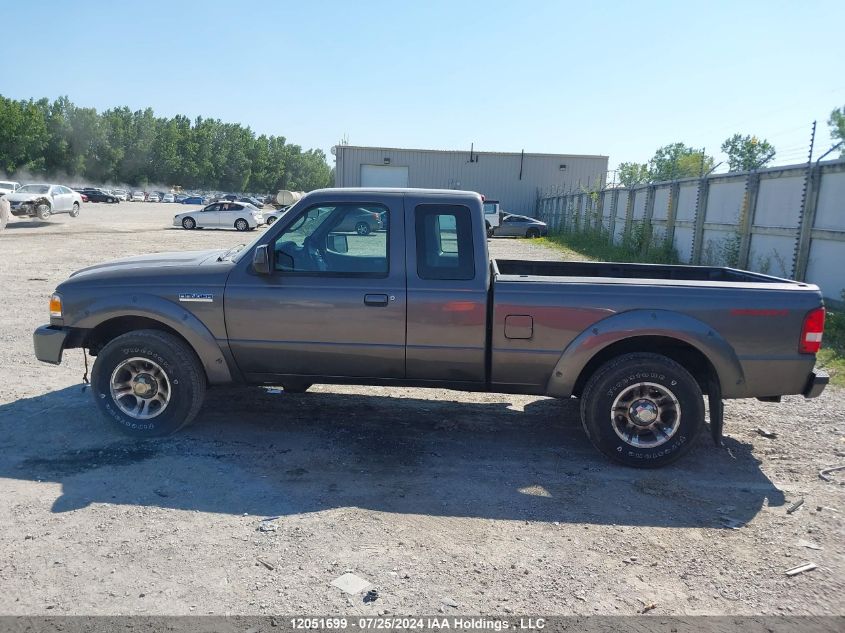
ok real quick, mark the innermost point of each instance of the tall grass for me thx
(832, 355)
(639, 244)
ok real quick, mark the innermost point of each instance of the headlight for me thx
(56, 307)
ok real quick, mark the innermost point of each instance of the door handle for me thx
(375, 300)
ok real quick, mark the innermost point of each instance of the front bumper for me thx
(49, 342)
(23, 209)
(816, 382)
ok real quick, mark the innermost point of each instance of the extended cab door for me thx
(334, 301)
(448, 280)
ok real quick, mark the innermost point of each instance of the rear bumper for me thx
(816, 382)
(49, 342)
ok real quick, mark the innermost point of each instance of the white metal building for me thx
(514, 179)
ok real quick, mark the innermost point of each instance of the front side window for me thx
(444, 242)
(336, 240)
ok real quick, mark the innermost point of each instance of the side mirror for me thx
(261, 260)
(337, 243)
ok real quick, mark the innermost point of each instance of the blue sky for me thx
(612, 78)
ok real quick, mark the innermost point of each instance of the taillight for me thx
(811, 332)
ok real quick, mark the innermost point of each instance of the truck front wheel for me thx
(642, 410)
(43, 211)
(148, 383)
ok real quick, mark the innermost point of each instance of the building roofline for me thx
(466, 151)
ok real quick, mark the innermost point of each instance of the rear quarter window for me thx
(445, 248)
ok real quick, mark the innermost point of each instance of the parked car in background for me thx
(168, 197)
(250, 200)
(274, 215)
(179, 197)
(153, 197)
(8, 186)
(363, 222)
(98, 195)
(492, 215)
(193, 200)
(44, 200)
(221, 215)
(521, 226)
(121, 194)
(81, 193)
(138, 196)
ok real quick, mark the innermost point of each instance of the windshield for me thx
(7, 185)
(34, 189)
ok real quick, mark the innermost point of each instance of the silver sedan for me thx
(521, 226)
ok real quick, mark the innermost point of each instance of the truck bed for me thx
(542, 307)
(642, 272)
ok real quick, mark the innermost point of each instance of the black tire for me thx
(43, 212)
(241, 225)
(74, 212)
(184, 374)
(189, 223)
(532, 234)
(674, 396)
(270, 220)
(362, 228)
(297, 387)
(489, 230)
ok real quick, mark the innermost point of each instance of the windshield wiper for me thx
(232, 251)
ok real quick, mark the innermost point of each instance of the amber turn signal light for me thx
(56, 307)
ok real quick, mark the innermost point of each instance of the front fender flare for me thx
(635, 323)
(168, 313)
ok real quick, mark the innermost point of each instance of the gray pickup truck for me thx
(419, 303)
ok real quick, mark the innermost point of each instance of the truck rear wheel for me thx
(642, 410)
(148, 383)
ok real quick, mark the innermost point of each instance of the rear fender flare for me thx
(636, 323)
(168, 313)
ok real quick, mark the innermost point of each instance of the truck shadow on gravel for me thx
(274, 455)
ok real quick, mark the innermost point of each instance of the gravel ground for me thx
(460, 502)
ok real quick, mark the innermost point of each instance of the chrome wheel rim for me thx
(645, 415)
(140, 388)
(241, 225)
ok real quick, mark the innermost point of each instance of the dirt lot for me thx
(466, 503)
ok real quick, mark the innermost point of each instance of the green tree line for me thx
(58, 138)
